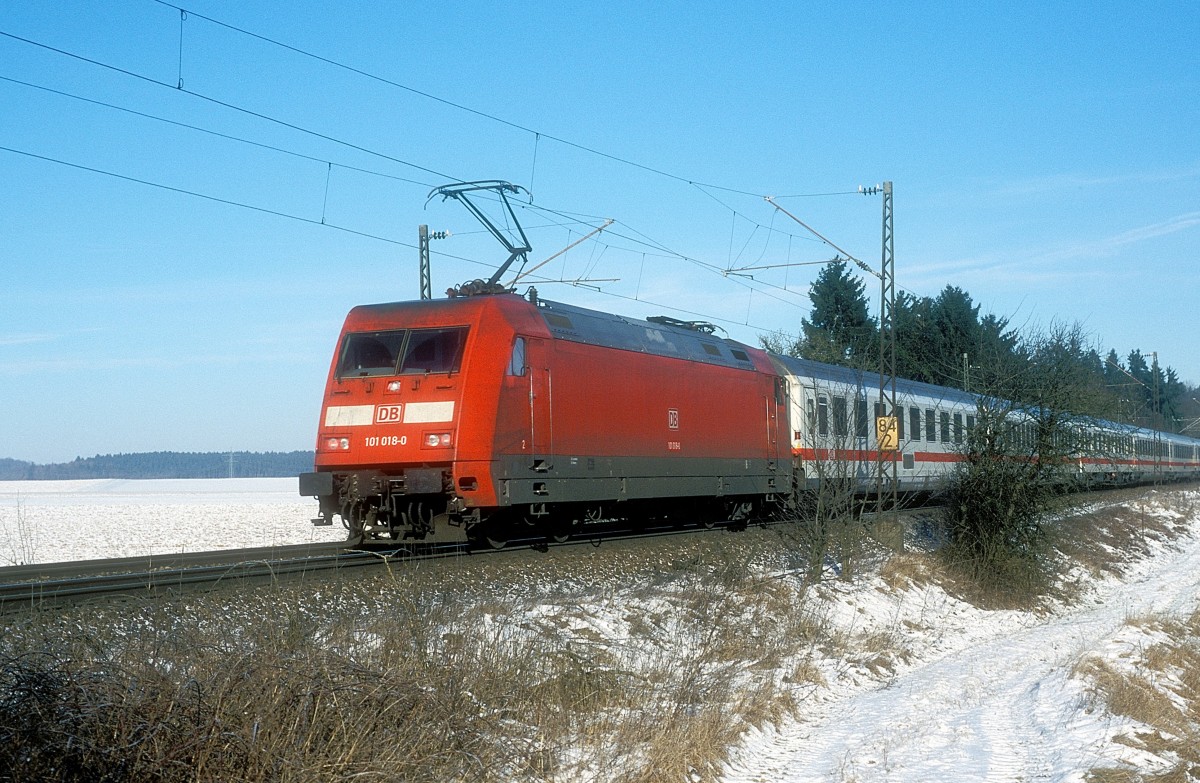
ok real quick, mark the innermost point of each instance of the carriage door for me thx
(777, 418)
(804, 418)
(541, 406)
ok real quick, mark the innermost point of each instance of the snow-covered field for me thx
(52, 521)
(985, 695)
(965, 694)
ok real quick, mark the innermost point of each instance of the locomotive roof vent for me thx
(695, 326)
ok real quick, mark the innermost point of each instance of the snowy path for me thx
(1002, 709)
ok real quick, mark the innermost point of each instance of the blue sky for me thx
(1044, 155)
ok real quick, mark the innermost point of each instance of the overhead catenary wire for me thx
(454, 104)
(216, 134)
(293, 126)
(643, 240)
(318, 223)
(220, 200)
(702, 186)
(230, 106)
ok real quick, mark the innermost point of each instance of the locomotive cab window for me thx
(370, 353)
(433, 351)
(402, 351)
(516, 362)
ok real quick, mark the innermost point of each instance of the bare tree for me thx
(1020, 459)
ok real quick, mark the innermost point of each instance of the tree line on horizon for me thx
(947, 341)
(164, 465)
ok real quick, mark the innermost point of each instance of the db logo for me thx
(388, 414)
(672, 418)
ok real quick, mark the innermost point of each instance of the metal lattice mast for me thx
(886, 473)
(423, 246)
(887, 445)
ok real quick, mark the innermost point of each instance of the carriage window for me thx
(930, 426)
(822, 415)
(914, 423)
(900, 422)
(841, 423)
(370, 353)
(516, 363)
(945, 422)
(958, 432)
(862, 426)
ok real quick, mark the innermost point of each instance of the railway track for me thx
(52, 583)
(48, 584)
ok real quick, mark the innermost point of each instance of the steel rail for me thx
(50, 584)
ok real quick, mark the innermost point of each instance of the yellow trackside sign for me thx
(887, 432)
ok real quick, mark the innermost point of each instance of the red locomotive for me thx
(478, 418)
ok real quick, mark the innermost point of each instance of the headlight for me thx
(433, 440)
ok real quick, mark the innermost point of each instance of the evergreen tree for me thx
(840, 331)
(915, 358)
(1114, 371)
(998, 353)
(954, 333)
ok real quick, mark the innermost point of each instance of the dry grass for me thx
(1159, 689)
(632, 662)
(1104, 540)
(561, 667)
(902, 571)
(21, 535)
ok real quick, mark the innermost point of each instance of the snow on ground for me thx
(959, 693)
(52, 521)
(982, 695)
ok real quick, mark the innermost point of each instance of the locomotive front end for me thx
(389, 432)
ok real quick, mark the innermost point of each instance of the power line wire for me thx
(228, 202)
(646, 241)
(284, 123)
(318, 223)
(217, 134)
(461, 107)
(231, 106)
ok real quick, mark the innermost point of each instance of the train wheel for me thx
(739, 515)
(562, 530)
(492, 533)
(352, 517)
